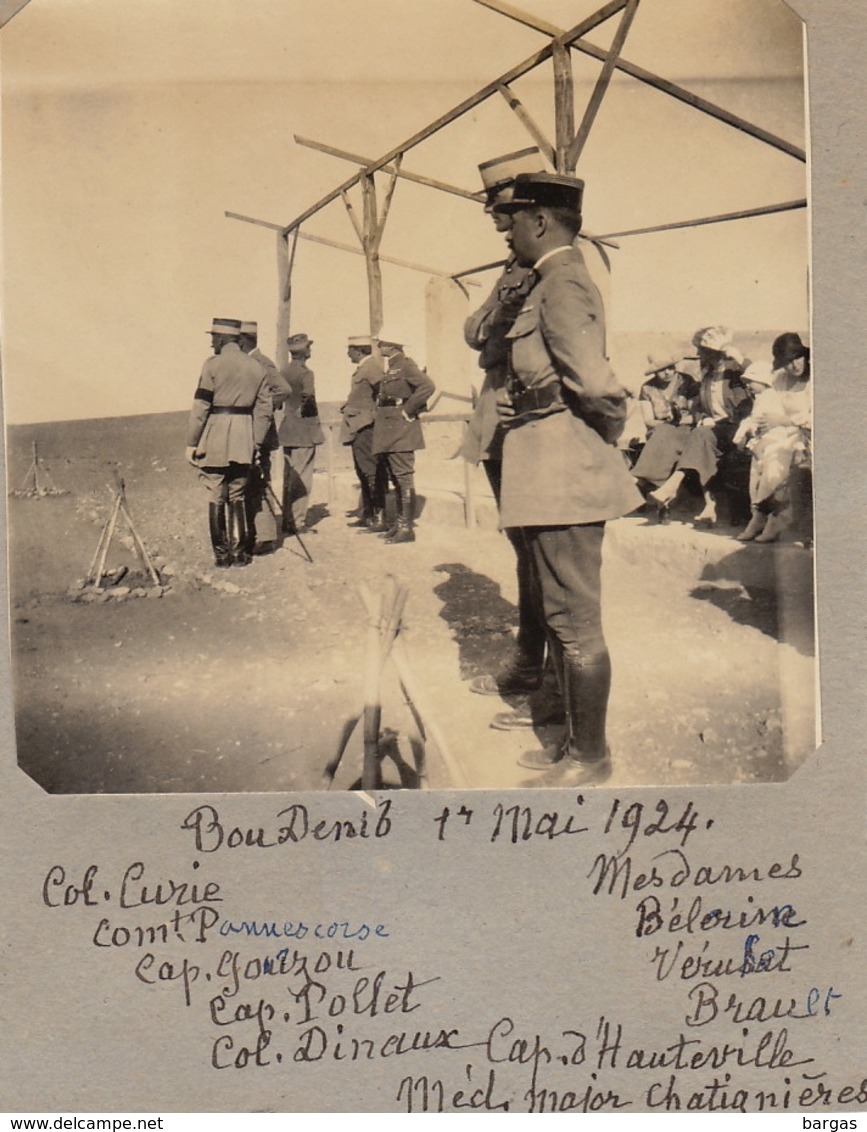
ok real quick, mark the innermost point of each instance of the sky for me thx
(128, 130)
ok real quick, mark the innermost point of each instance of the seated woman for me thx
(778, 434)
(667, 402)
(721, 404)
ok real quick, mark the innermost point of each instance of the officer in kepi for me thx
(403, 393)
(261, 522)
(485, 331)
(229, 421)
(357, 431)
(563, 477)
(299, 433)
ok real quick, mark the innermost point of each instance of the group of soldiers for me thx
(545, 428)
(233, 432)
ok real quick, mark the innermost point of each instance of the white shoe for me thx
(755, 526)
(773, 529)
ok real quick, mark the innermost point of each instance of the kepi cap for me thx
(227, 326)
(500, 171)
(359, 340)
(298, 342)
(544, 190)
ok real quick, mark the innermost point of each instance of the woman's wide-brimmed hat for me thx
(788, 348)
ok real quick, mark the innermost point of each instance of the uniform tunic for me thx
(485, 331)
(359, 409)
(560, 466)
(404, 383)
(229, 379)
(299, 433)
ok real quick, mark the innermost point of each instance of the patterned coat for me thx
(300, 427)
(359, 409)
(411, 387)
(230, 380)
(560, 466)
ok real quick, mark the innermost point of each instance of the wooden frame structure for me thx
(563, 152)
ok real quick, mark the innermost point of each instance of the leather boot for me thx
(586, 690)
(392, 530)
(405, 520)
(219, 535)
(238, 537)
(364, 519)
(377, 524)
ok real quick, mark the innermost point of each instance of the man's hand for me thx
(192, 455)
(505, 408)
(706, 422)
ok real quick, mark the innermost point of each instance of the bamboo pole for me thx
(462, 108)
(515, 104)
(418, 178)
(743, 214)
(576, 146)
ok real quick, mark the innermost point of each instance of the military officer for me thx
(357, 431)
(229, 420)
(299, 433)
(261, 523)
(485, 331)
(403, 393)
(562, 474)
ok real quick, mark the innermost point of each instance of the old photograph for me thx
(414, 394)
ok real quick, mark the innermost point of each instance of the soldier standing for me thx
(485, 331)
(229, 419)
(299, 433)
(403, 393)
(357, 431)
(261, 522)
(562, 476)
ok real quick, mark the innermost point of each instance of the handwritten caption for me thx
(723, 948)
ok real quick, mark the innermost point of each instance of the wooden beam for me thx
(678, 92)
(564, 105)
(694, 100)
(521, 17)
(339, 246)
(418, 178)
(371, 254)
(462, 108)
(577, 144)
(744, 214)
(383, 216)
(350, 212)
(535, 132)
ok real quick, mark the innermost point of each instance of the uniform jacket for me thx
(560, 466)
(276, 387)
(358, 411)
(229, 379)
(402, 381)
(486, 331)
(300, 427)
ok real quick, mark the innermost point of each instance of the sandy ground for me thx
(245, 679)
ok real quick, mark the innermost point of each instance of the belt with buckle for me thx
(391, 402)
(529, 400)
(235, 410)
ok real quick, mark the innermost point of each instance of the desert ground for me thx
(244, 680)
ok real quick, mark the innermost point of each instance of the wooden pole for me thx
(285, 261)
(744, 214)
(577, 144)
(564, 105)
(372, 704)
(529, 124)
(100, 569)
(357, 159)
(371, 254)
